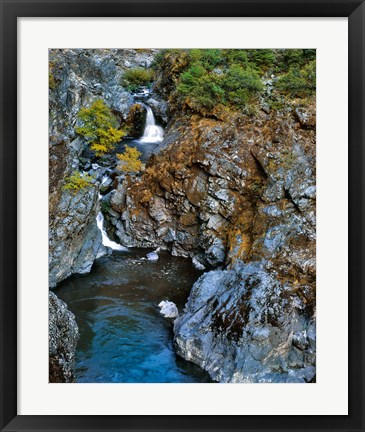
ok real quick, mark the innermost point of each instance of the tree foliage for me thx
(235, 77)
(138, 77)
(299, 82)
(78, 181)
(99, 127)
(130, 162)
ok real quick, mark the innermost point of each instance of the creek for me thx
(123, 337)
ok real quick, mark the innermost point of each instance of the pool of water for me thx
(122, 336)
(146, 149)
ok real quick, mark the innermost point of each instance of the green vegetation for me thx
(77, 181)
(105, 206)
(130, 162)
(99, 127)
(234, 78)
(299, 82)
(134, 78)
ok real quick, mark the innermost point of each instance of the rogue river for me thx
(123, 338)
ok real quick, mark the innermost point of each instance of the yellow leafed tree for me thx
(99, 127)
(130, 162)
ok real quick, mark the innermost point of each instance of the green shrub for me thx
(134, 78)
(299, 82)
(105, 206)
(201, 88)
(130, 160)
(236, 86)
(77, 181)
(234, 77)
(261, 59)
(294, 58)
(242, 85)
(99, 127)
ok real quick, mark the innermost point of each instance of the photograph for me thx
(182, 215)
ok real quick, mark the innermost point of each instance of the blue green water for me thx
(122, 336)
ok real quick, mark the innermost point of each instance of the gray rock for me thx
(74, 239)
(239, 324)
(197, 264)
(168, 309)
(63, 336)
(216, 253)
(157, 210)
(152, 256)
(159, 107)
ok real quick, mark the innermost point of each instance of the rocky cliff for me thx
(235, 192)
(76, 79)
(232, 190)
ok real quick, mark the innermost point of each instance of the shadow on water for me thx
(122, 336)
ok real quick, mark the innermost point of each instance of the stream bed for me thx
(123, 339)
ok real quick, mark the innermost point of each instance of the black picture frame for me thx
(10, 11)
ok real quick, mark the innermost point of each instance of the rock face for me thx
(217, 184)
(238, 193)
(245, 325)
(79, 77)
(75, 240)
(63, 335)
(235, 193)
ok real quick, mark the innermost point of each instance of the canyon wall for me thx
(234, 192)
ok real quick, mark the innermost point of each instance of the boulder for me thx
(152, 256)
(245, 325)
(63, 336)
(168, 309)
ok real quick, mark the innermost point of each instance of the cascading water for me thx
(105, 239)
(152, 132)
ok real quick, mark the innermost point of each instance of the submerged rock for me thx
(63, 336)
(168, 309)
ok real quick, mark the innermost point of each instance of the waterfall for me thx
(106, 240)
(152, 133)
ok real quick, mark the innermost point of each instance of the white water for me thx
(106, 241)
(152, 132)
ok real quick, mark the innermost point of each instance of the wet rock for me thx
(152, 256)
(168, 309)
(198, 264)
(159, 107)
(105, 184)
(63, 336)
(136, 120)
